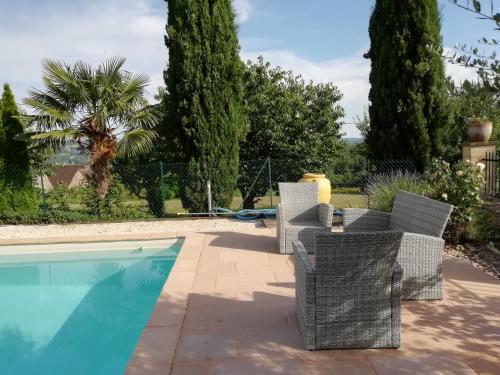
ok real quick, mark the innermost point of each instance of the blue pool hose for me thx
(263, 213)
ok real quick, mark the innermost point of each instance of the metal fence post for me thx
(209, 196)
(162, 189)
(44, 200)
(270, 181)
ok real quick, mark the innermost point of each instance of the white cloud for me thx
(243, 10)
(92, 31)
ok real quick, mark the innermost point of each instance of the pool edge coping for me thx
(90, 239)
(155, 349)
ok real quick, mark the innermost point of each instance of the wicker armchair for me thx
(423, 221)
(348, 293)
(299, 216)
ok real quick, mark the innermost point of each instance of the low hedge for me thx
(346, 190)
(54, 216)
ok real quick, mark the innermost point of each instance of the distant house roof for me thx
(65, 174)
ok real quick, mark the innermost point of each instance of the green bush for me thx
(59, 197)
(485, 225)
(56, 216)
(459, 185)
(45, 217)
(17, 197)
(383, 188)
(346, 190)
(110, 205)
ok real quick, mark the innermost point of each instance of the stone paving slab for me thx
(238, 317)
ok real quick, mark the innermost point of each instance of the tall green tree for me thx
(2, 142)
(101, 108)
(18, 194)
(408, 113)
(205, 114)
(294, 122)
(16, 150)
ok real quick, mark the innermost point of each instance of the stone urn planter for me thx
(479, 129)
(324, 186)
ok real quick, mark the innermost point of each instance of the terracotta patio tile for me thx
(167, 314)
(210, 298)
(270, 343)
(245, 266)
(245, 255)
(148, 370)
(257, 367)
(248, 315)
(195, 320)
(239, 280)
(285, 277)
(216, 267)
(420, 365)
(281, 297)
(482, 363)
(345, 366)
(205, 346)
(190, 368)
(204, 281)
(156, 346)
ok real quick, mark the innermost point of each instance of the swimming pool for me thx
(78, 309)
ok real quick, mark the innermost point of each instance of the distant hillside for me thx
(69, 155)
(353, 141)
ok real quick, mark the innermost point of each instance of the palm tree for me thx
(103, 109)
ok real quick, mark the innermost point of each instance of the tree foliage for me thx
(103, 109)
(290, 119)
(2, 142)
(485, 59)
(468, 100)
(408, 111)
(205, 116)
(16, 183)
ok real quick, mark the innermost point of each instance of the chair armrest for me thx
(396, 283)
(325, 214)
(305, 294)
(397, 275)
(422, 244)
(417, 249)
(302, 261)
(280, 227)
(365, 220)
(421, 257)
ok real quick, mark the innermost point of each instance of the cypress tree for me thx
(408, 112)
(204, 114)
(2, 142)
(17, 177)
(2, 158)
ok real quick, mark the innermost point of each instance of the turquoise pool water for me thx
(78, 313)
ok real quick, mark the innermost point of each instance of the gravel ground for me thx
(478, 255)
(164, 226)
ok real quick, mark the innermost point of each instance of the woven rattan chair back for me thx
(300, 201)
(353, 288)
(416, 214)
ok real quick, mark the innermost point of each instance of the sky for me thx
(322, 40)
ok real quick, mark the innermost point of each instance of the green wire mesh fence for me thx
(64, 193)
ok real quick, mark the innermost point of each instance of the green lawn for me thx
(339, 201)
(174, 206)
